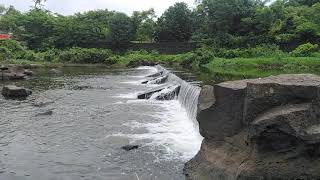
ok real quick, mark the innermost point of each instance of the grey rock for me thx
(55, 72)
(28, 72)
(130, 147)
(170, 94)
(224, 117)
(14, 92)
(156, 74)
(149, 93)
(46, 113)
(266, 128)
(160, 80)
(14, 76)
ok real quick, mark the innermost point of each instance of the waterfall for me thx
(187, 96)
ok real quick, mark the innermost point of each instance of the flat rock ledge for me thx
(259, 129)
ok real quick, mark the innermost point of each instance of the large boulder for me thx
(266, 128)
(14, 92)
(223, 117)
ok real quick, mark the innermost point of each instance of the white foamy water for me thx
(176, 129)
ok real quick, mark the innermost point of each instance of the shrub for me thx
(13, 46)
(83, 55)
(188, 60)
(50, 55)
(305, 50)
(26, 55)
(258, 51)
(203, 56)
(4, 53)
(112, 60)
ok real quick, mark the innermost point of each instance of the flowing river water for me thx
(74, 125)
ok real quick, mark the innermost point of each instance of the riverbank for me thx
(216, 70)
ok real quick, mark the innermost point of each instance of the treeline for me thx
(218, 23)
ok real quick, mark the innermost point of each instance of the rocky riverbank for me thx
(259, 129)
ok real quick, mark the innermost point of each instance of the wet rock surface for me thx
(130, 147)
(15, 73)
(14, 92)
(149, 93)
(265, 128)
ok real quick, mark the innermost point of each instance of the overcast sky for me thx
(68, 7)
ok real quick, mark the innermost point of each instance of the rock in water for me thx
(130, 147)
(28, 72)
(46, 113)
(265, 128)
(169, 94)
(55, 72)
(156, 74)
(14, 92)
(148, 94)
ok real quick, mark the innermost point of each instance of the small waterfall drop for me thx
(187, 96)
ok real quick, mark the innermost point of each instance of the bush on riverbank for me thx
(88, 56)
(305, 58)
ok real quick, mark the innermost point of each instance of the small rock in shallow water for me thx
(130, 147)
(55, 72)
(28, 72)
(46, 113)
(14, 92)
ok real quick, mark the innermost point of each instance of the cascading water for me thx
(187, 96)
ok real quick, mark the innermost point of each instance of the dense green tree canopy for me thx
(220, 23)
(175, 24)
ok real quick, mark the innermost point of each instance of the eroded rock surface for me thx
(265, 128)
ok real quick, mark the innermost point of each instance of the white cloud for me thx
(68, 7)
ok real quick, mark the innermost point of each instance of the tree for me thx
(121, 30)
(175, 24)
(146, 31)
(2, 9)
(303, 2)
(38, 3)
(143, 24)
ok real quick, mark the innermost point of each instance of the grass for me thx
(262, 67)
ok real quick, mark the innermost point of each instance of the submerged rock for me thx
(55, 72)
(265, 128)
(14, 92)
(46, 113)
(130, 147)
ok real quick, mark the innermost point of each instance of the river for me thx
(74, 125)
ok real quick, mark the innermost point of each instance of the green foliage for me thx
(83, 55)
(305, 50)
(4, 53)
(16, 50)
(121, 31)
(175, 24)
